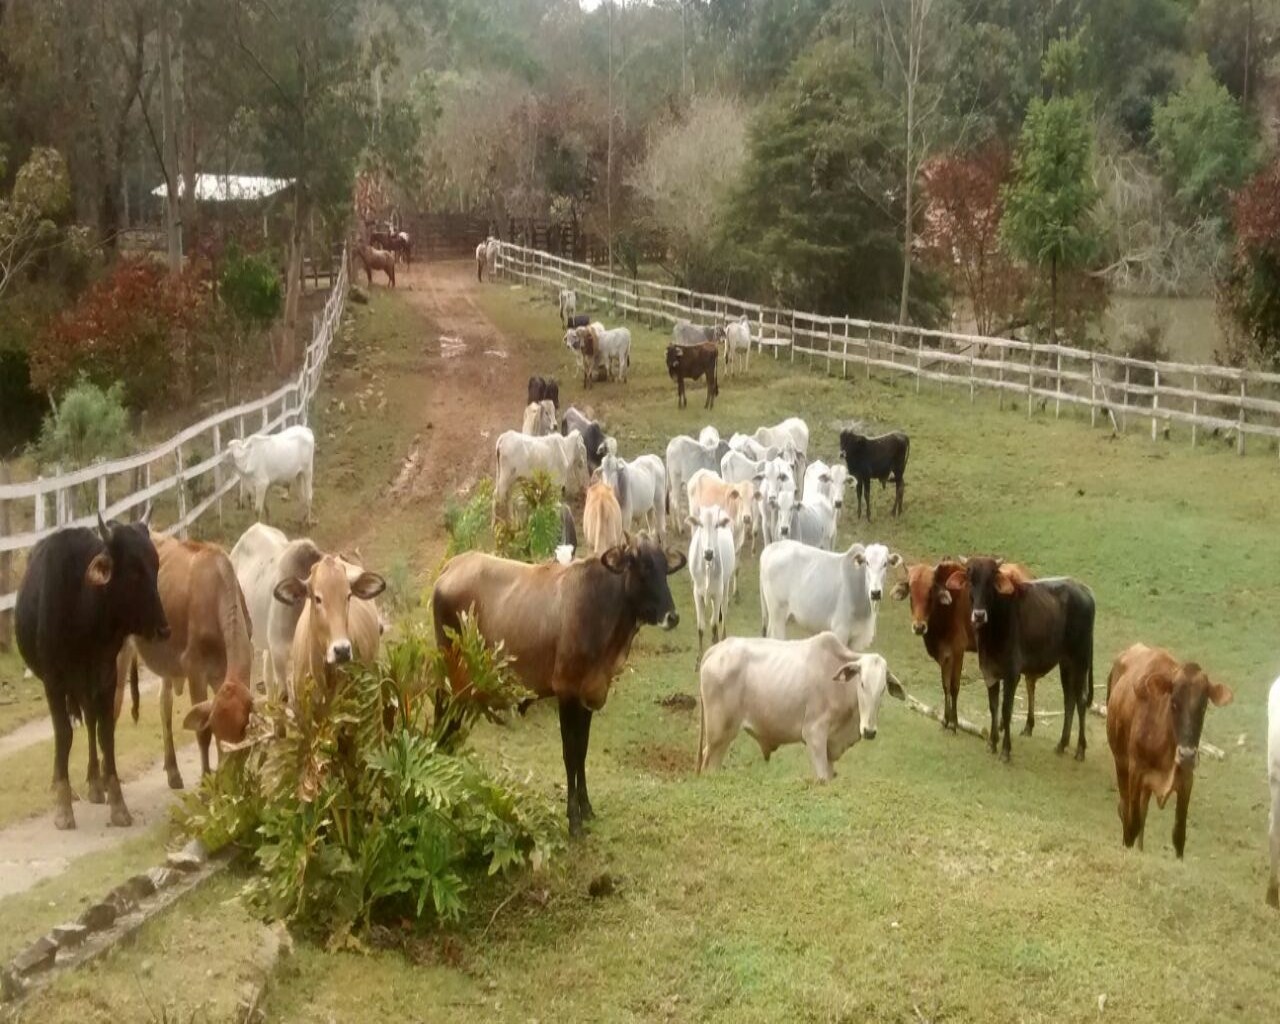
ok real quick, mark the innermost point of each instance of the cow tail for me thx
(702, 732)
(133, 689)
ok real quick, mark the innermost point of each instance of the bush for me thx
(89, 424)
(532, 537)
(467, 524)
(370, 809)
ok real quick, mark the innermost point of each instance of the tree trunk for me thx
(1053, 300)
(293, 282)
(187, 194)
(1248, 45)
(608, 176)
(172, 221)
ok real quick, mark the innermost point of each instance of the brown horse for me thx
(377, 259)
(396, 242)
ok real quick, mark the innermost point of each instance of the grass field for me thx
(928, 882)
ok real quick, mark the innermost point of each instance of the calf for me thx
(641, 487)
(208, 646)
(84, 591)
(712, 565)
(593, 435)
(685, 333)
(544, 389)
(332, 629)
(876, 458)
(1155, 712)
(280, 458)
(706, 490)
(811, 521)
(602, 519)
(819, 590)
(1026, 627)
(563, 459)
(568, 305)
(816, 691)
(1273, 777)
(539, 419)
(567, 628)
(692, 362)
(942, 620)
(685, 456)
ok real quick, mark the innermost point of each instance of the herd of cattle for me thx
(94, 602)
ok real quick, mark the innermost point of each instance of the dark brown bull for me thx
(692, 362)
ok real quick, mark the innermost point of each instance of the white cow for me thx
(708, 435)
(563, 458)
(641, 487)
(614, 346)
(817, 590)
(737, 342)
(539, 418)
(491, 255)
(568, 304)
(706, 490)
(685, 456)
(816, 691)
(282, 458)
(811, 521)
(482, 257)
(829, 481)
(777, 476)
(737, 466)
(794, 430)
(712, 564)
(751, 448)
(1273, 775)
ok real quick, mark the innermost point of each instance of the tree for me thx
(90, 423)
(1048, 203)
(1249, 294)
(28, 218)
(811, 224)
(1203, 142)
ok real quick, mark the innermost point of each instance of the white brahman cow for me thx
(712, 565)
(282, 458)
(562, 457)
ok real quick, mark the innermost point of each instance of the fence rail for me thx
(1229, 402)
(126, 485)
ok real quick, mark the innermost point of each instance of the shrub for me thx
(89, 424)
(466, 524)
(371, 809)
(533, 536)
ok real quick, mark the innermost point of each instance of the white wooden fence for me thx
(1229, 403)
(33, 510)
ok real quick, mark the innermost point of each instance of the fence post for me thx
(1031, 375)
(1093, 390)
(973, 383)
(6, 564)
(1240, 428)
(844, 366)
(1057, 402)
(59, 499)
(792, 332)
(102, 493)
(866, 361)
(182, 497)
(217, 467)
(1124, 419)
(1000, 378)
(1195, 406)
(1155, 403)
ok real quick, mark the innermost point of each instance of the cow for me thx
(562, 458)
(1155, 712)
(593, 435)
(395, 242)
(597, 346)
(942, 620)
(828, 481)
(281, 458)
(708, 436)
(706, 489)
(539, 418)
(685, 456)
(692, 362)
(376, 259)
(876, 458)
(568, 305)
(811, 521)
(684, 333)
(737, 342)
(793, 429)
(602, 519)
(209, 646)
(84, 591)
(568, 629)
(580, 320)
(481, 250)
(1026, 627)
(777, 476)
(816, 691)
(332, 628)
(834, 590)
(712, 565)
(752, 449)
(1273, 777)
(544, 389)
(737, 466)
(491, 248)
(641, 487)
(568, 532)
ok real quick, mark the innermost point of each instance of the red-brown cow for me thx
(1155, 712)
(942, 620)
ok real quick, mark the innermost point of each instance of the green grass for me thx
(21, 699)
(928, 881)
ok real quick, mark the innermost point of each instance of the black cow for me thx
(578, 320)
(1026, 627)
(876, 458)
(592, 435)
(83, 593)
(693, 362)
(544, 389)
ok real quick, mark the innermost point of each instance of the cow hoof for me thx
(1005, 756)
(1026, 730)
(120, 816)
(1060, 748)
(575, 829)
(1273, 895)
(63, 819)
(1080, 753)
(97, 795)
(175, 778)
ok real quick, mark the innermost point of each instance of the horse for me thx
(396, 242)
(377, 259)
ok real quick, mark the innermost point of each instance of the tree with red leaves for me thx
(1249, 293)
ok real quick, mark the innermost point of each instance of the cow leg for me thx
(1140, 810)
(166, 728)
(956, 662)
(1123, 803)
(815, 739)
(199, 693)
(898, 487)
(1082, 708)
(93, 777)
(63, 816)
(1029, 728)
(1180, 818)
(1009, 686)
(946, 693)
(120, 816)
(569, 749)
(993, 705)
(584, 741)
(308, 481)
(1273, 887)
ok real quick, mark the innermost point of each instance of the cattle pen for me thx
(174, 469)
(1220, 401)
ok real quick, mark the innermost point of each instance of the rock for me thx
(122, 899)
(11, 986)
(68, 935)
(37, 957)
(162, 877)
(191, 857)
(140, 887)
(99, 916)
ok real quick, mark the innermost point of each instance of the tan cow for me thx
(706, 489)
(602, 519)
(209, 645)
(332, 628)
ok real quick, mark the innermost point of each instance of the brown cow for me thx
(693, 362)
(602, 519)
(209, 645)
(376, 259)
(942, 620)
(1155, 712)
(332, 629)
(569, 629)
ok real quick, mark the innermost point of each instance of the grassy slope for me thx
(928, 881)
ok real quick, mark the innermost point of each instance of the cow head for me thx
(644, 568)
(926, 585)
(239, 451)
(1189, 692)
(126, 571)
(707, 522)
(839, 478)
(868, 678)
(571, 341)
(329, 590)
(673, 361)
(852, 445)
(990, 582)
(787, 505)
(875, 560)
(227, 715)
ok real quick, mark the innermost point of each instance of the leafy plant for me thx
(533, 535)
(467, 523)
(89, 424)
(371, 808)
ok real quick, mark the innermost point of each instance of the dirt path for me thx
(473, 388)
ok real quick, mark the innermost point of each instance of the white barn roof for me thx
(223, 188)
